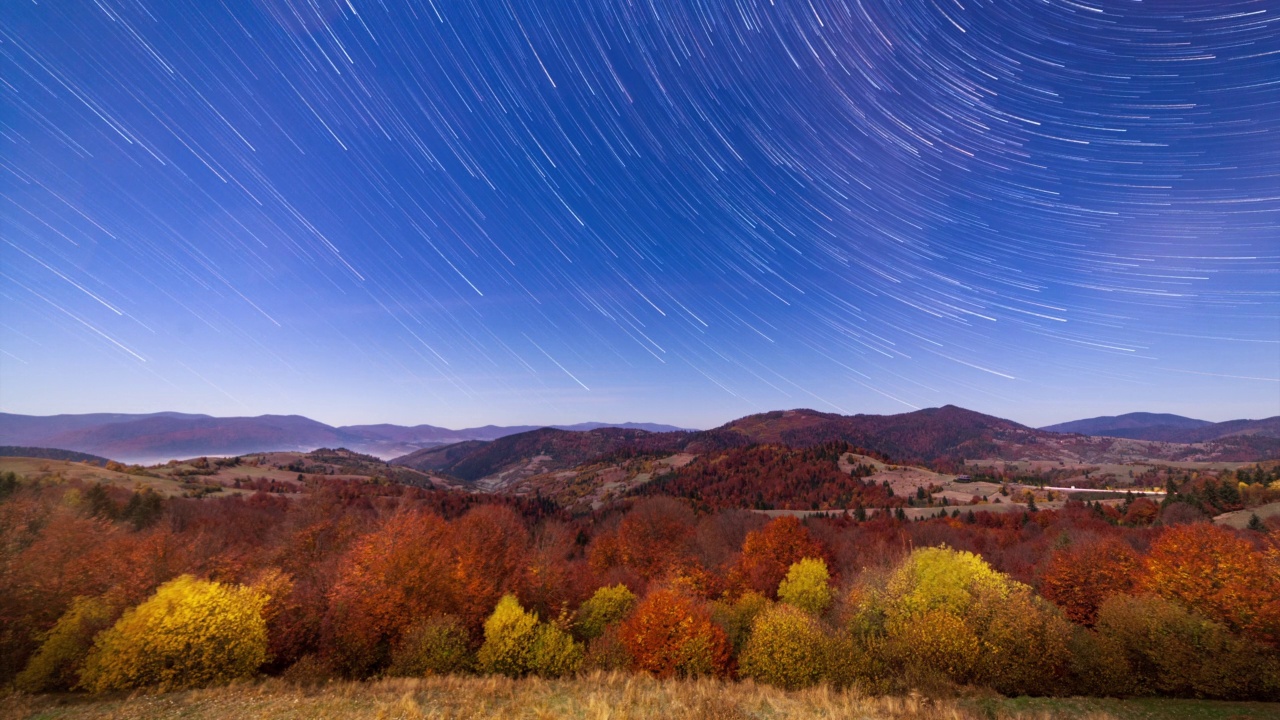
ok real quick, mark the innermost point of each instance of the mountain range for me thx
(157, 437)
(1164, 427)
(489, 452)
(925, 436)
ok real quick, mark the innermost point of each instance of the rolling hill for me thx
(920, 437)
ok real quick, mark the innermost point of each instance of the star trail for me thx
(461, 212)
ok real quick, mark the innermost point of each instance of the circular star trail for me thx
(465, 212)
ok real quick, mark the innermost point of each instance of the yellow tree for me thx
(190, 633)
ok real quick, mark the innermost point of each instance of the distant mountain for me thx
(923, 436)
(1169, 428)
(1132, 425)
(157, 437)
(51, 454)
(505, 460)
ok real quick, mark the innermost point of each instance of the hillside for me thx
(51, 454)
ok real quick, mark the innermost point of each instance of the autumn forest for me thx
(105, 588)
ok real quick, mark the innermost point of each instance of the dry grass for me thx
(599, 697)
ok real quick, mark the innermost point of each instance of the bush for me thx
(942, 578)
(607, 606)
(607, 653)
(508, 635)
(736, 617)
(190, 633)
(1173, 651)
(933, 649)
(438, 645)
(1025, 644)
(807, 586)
(671, 634)
(554, 653)
(1099, 667)
(786, 648)
(56, 664)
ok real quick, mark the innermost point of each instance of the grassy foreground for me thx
(599, 697)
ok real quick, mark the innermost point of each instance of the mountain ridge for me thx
(157, 437)
(1164, 427)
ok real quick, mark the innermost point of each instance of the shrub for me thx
(736, 617)
(508, 635)
(190, 633)
(438, 645)
(1025, 644)
(933, 648)
(807, 586)
(942, 578)
(607, 653)
(671, 634)
(1173, 651)
(56, 664)
(786, 648)
(554, 653)
(607, 606)
(1098, 665)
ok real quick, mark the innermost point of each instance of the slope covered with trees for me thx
(357, 578)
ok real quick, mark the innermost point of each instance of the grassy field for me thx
(601, 697)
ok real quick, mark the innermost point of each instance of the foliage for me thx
(1079, 578)
(554, 653)
(508, 636)
(437, 645)
(942, 579)
(671, 634)
(56, 665)
(1172, 651)
(608, 605)
(786, 648)
(807, 586)
(190, 633)
(768, 553)
(767, 477)
(607, 653)
(1218, 574)
(736, 617)
(400, 572)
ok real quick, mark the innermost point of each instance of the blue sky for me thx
(550, 212)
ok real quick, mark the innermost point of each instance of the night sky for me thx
(460, 212)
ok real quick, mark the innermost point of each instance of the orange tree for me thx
(672, 634)
(769, 552)
(1079, 578)
(391, 577)
(1218, 574)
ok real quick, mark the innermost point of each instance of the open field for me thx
(37, 470)
(616, 697)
